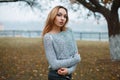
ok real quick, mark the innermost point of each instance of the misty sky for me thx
(13, 12)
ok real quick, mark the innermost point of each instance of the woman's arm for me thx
(72, 69)
(51, 56)
(65, 71)
(74, 41)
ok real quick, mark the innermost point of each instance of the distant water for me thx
(34, 28)
(94, 36)
(38, 25)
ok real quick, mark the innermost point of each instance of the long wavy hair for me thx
(50, 20)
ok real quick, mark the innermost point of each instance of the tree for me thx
(31, 3)
(109, 9)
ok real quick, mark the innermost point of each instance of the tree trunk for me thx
(114, 37)
(114, 42)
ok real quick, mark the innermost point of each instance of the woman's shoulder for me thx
(46, 36)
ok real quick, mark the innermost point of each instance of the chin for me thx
(61, 25)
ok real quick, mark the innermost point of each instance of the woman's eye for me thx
(58, 14)
(65, 16)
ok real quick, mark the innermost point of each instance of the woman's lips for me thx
(61, 23)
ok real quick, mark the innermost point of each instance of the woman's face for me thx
(61, 18)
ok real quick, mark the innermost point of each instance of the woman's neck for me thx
(56, 29)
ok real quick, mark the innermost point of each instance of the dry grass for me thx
(24, 59)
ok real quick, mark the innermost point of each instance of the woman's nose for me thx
(62, 17)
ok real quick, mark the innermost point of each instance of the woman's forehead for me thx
(62, 10)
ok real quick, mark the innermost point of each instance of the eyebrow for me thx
(61, 13)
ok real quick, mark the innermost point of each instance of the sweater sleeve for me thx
(51, 56)
(74, 41)
(71, 69)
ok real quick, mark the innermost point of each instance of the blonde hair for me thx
(50, 20)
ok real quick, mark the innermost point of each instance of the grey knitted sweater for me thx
(61, 50)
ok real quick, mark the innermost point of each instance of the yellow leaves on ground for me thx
(22, 59)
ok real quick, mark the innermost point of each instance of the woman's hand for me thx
(62, 71)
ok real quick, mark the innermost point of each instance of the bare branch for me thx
(87, 5)
(31, 3)
(96, 3)
(2, 1)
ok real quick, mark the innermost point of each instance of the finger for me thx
(61, 68)
(59, 72)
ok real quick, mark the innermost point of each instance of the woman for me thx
(60, 46)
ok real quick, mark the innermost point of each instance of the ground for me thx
(24, 59)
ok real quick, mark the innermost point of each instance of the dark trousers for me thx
(53, 75)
